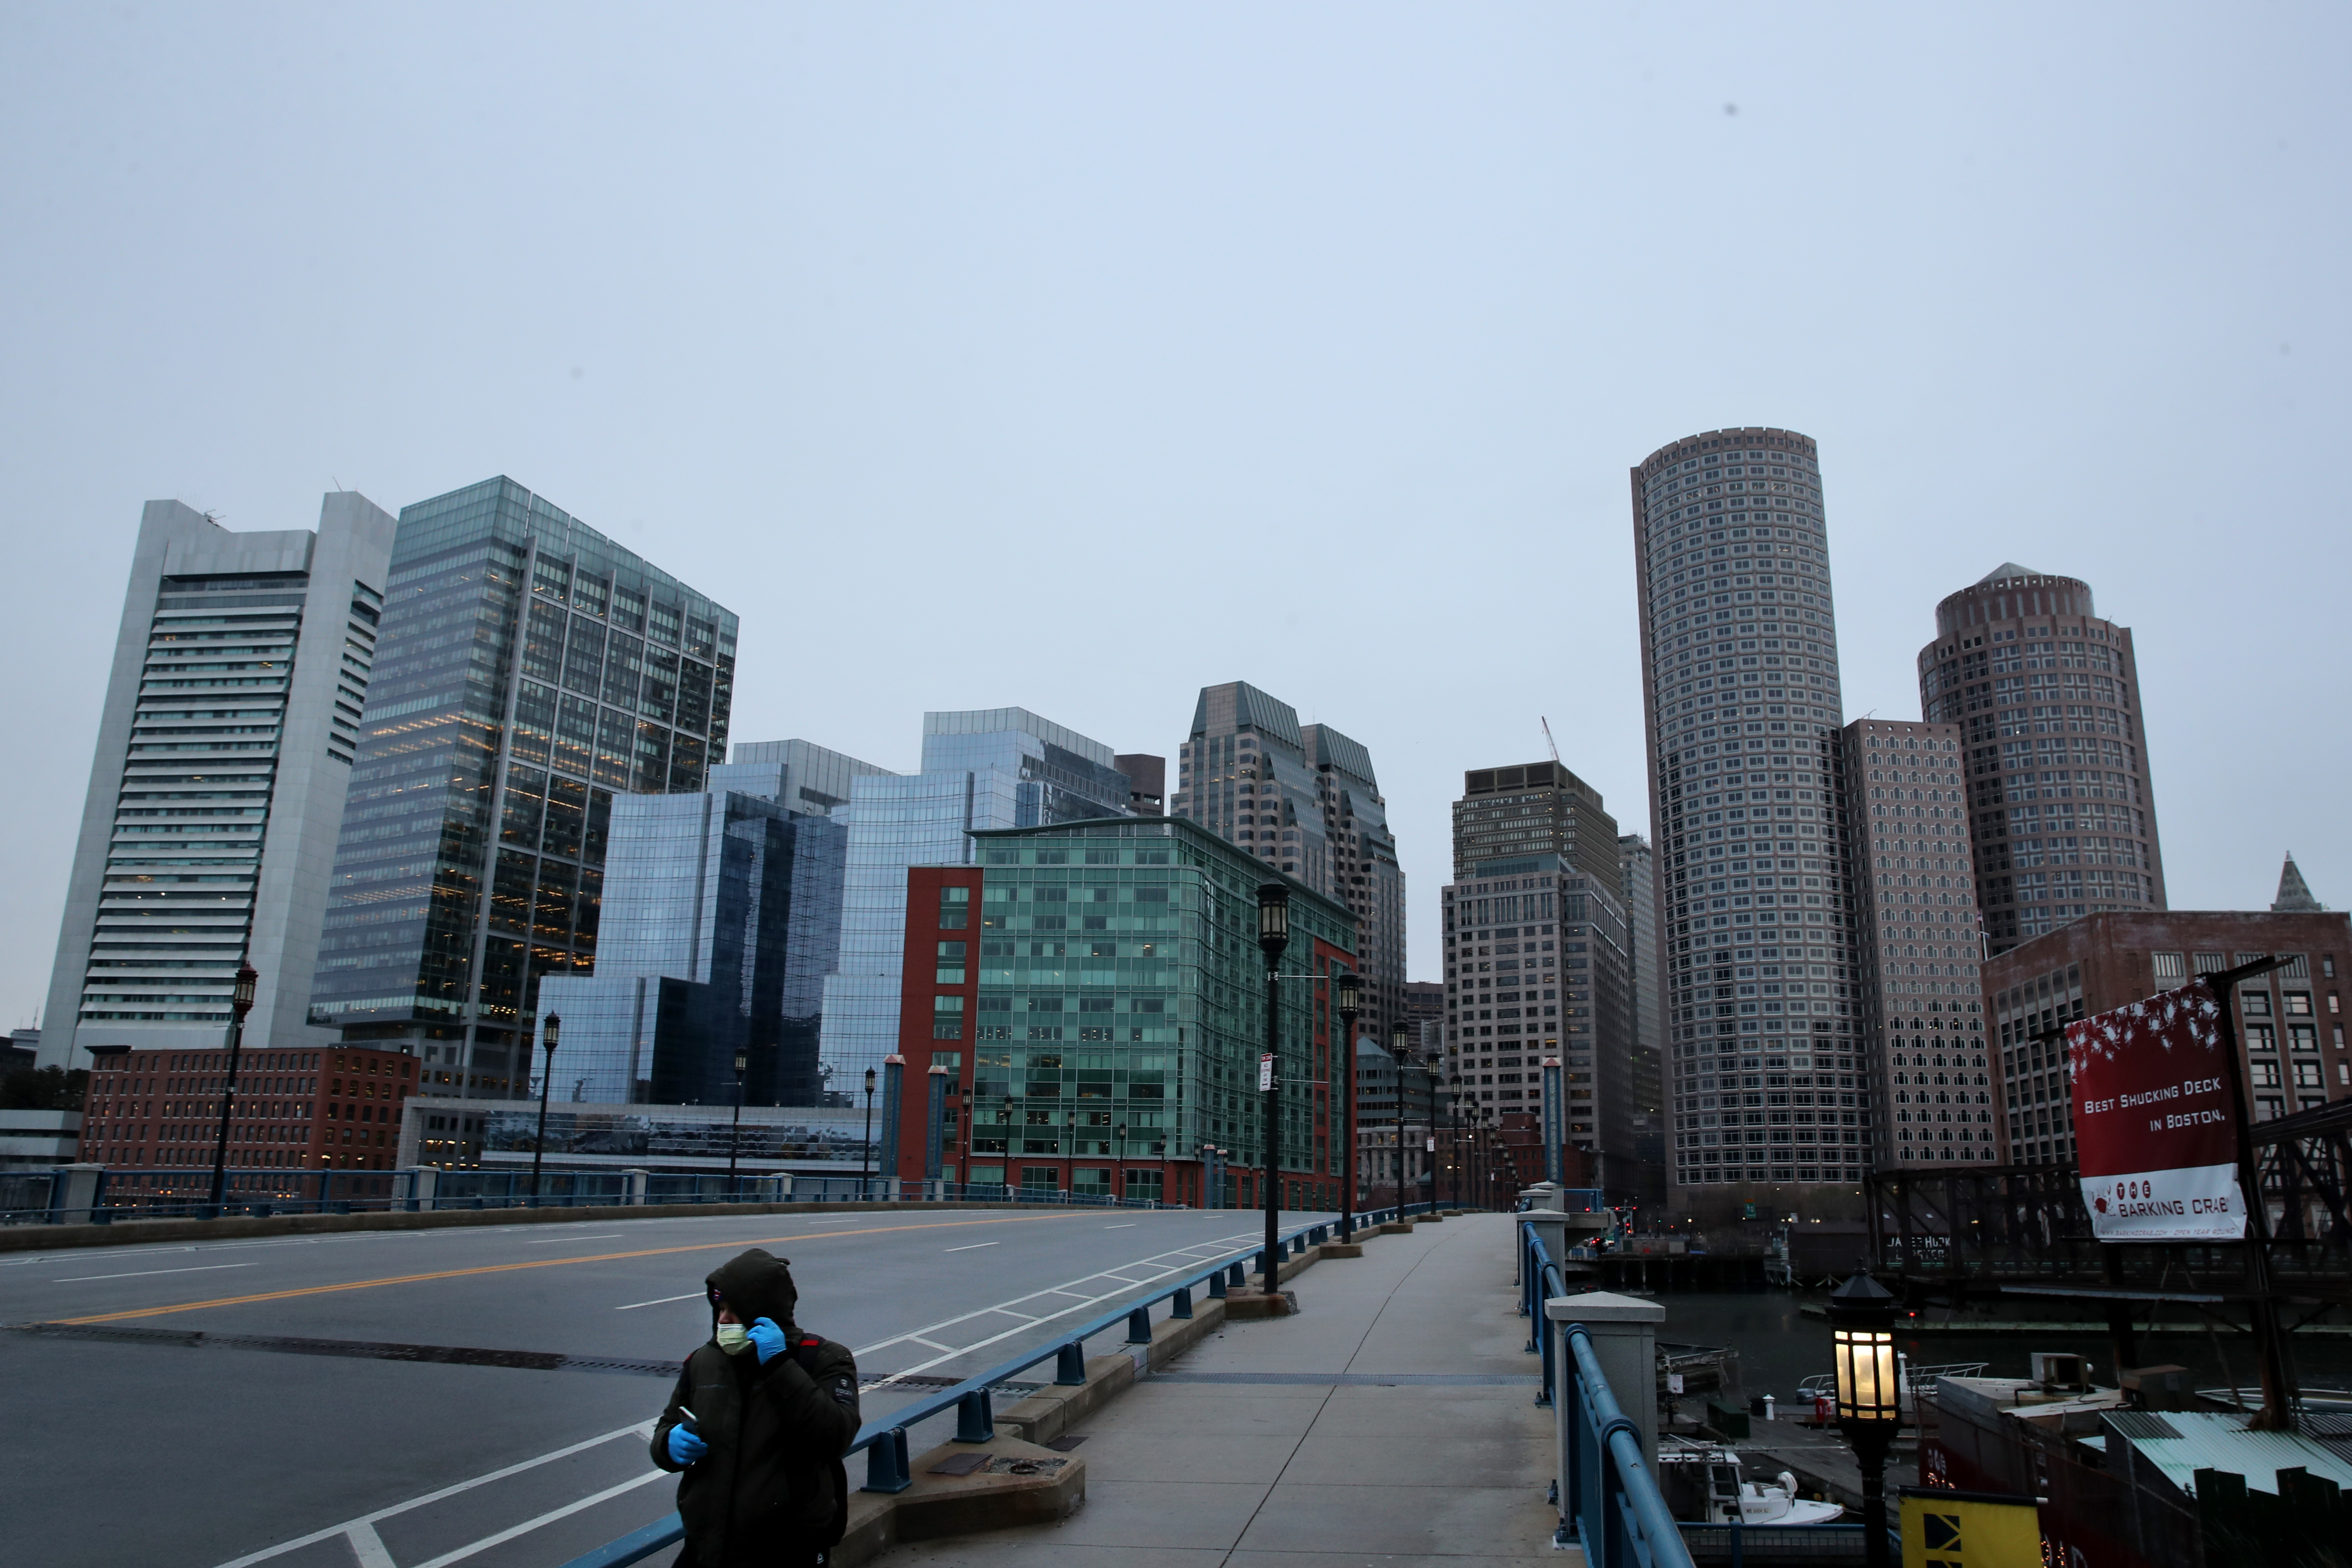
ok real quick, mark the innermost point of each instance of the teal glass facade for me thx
(1121, 983)
(527, 669)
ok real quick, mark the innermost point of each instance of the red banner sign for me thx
(2152, 1121)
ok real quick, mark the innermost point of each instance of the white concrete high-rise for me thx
(1740, 689)
(224, 754)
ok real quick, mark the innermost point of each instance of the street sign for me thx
(1265, 1073)
(2157, 1146)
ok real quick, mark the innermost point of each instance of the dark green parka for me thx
(778, 1432)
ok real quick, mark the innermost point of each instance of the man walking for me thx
(759, 1423)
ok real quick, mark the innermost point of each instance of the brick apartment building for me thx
(2291, 1021)
(151, 1117)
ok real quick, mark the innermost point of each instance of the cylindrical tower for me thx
(1740, 688)
(2047, 695)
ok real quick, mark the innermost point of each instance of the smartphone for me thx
(686, 1418)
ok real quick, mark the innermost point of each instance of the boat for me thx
(1703, 1485)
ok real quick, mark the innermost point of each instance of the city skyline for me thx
(1425, 962)
(856, 373)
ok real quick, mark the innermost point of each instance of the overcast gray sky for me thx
(1077, 357)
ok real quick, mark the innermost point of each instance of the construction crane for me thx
(1549, 742)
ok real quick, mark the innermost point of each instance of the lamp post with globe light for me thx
(547, 1033)
(240, 1003)
(1869, 1394)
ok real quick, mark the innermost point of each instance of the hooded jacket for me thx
(778, 1432)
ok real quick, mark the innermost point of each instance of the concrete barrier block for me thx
(1017, 1483)
(1249, 1306)
(1341, 1249)
(1171, 1337)
(869, 1531)
(1393, 1228)
(1053, 1411)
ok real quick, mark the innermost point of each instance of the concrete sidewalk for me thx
(1392, 1422)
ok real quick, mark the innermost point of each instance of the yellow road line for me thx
(537, 1263)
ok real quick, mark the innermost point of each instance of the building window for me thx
(2170, 969)
(951, 964)
(955, 908)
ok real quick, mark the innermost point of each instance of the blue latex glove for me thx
(767, 1339)
(685, 1448)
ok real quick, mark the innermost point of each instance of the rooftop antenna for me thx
(1549, 740)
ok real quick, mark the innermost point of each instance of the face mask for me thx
(733, 1338)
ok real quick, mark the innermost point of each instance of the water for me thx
(1779, 1347)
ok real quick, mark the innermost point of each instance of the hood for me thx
(757, 1284)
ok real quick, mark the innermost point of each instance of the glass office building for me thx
(694, 952)
(1117, 1014)
(986, 768)
(722, 918)
(528, 670)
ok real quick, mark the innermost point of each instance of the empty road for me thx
(413, 1399)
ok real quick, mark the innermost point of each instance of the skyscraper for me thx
(1923, 1045)
(1537, 808)
(1740, 689)
(530, 670)
(1528, 843)
(1303, 799)
(2049, 697)
(224, 752)
(986, 768)
(1637, 876)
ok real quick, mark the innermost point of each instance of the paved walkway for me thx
(1392, 1422)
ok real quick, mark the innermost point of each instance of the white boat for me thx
(1703, 1485)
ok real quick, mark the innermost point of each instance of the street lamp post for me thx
(866, 1165)
(1273, 941)
(1454, 1132)
(547, 1033)
(735, 1130)
(240, 1003)
(1399, 1033)
(1869, 1397)
(1351, 1001)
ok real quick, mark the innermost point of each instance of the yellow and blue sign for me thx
(1944, 1528)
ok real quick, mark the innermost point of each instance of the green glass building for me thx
(527, 669)
(1120, 985)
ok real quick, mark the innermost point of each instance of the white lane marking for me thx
(142, 1273)
(555, 1240)
(660, 1301)
(369, 1547)
(1128, 1226)
(369, 1520)
(550, 1517)
(973, 1248)
(1161, 1265)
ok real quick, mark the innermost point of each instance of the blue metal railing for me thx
(1611, 1505)
(884, 1440)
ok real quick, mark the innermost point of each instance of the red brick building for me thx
(152, 1117)
(2291, 1022)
